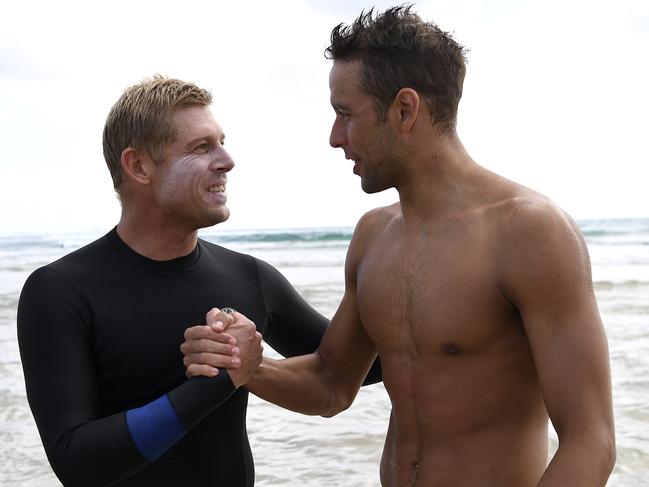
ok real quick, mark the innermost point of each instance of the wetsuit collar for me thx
(158, 266)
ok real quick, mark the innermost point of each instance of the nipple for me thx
(451, 349)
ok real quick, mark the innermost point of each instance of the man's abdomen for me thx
(480, 422)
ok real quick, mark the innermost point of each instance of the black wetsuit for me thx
(99, 333)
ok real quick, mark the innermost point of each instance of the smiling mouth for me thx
(217, 188)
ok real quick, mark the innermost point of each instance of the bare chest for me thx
(431, 295)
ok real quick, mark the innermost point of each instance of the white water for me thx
(292, 449)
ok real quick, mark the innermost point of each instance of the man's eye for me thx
(203, 147)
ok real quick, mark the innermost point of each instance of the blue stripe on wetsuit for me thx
(154, 427)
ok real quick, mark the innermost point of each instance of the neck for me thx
(438, 180)
(155, 239)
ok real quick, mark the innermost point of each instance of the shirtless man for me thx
(475, 291)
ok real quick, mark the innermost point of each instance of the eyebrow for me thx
(340, 108)
(207, 138)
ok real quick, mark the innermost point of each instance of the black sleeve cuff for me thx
(199, 396)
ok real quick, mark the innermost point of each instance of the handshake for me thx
(229, 341)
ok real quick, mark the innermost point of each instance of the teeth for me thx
(216, 189)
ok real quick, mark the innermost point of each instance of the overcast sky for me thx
(556, 97)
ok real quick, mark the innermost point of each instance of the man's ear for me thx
(136, 165)
(406, 105)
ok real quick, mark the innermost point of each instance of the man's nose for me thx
(337, 138)
(223, 162)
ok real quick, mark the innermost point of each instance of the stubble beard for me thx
(383, 171)
(214, 218)
(371, 185)
(190, 216)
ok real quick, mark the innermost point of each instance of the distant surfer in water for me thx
(474, 291)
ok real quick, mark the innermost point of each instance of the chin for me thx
(215, 218)
(371, 187)
(223, 216)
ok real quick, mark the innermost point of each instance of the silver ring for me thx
(228, 310)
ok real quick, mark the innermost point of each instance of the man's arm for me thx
(548, 279)
(84, 447)
(292, 326)
(326, 381)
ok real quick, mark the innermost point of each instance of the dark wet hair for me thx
(397, 49)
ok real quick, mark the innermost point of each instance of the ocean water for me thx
(291, 449)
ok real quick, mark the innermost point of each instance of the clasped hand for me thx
(226, 341)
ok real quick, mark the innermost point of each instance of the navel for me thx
(415, 472)
(451, 348)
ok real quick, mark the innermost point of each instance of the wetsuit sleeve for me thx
(293, 327)
(56, 349)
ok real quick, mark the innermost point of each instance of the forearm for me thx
(581, 463)
(301, 384)
(105, 450)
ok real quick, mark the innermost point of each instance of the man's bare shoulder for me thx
(372, 223)
(530, 216)
(368, 230)
(539, 242)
